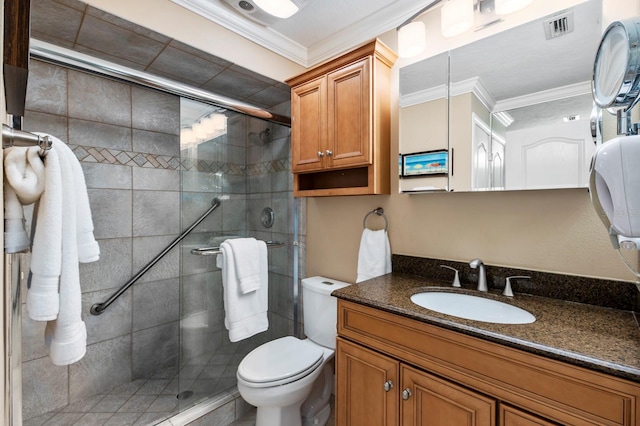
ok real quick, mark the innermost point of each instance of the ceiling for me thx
(320, 30)
(79, 27)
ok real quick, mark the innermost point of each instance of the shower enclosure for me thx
(153, 163)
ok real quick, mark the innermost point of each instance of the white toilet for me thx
(289, 380)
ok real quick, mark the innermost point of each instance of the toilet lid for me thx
(281, 360)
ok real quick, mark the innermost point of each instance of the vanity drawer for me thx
(555, 390)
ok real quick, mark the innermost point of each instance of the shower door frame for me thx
(11, 344)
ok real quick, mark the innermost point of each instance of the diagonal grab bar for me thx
(99, 308)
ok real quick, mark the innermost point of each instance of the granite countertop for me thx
(598, 338)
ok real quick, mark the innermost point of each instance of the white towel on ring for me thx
(245, 314)
(374, 256)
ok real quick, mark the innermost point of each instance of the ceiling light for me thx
(456, 17)
(411, 39)
(505, 7)
(278, 8)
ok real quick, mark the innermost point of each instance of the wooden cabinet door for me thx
(349, 123)
(511, 416)
(430, 401)
(362, 399)
(309, 125)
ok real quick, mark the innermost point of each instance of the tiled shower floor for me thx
(150, 401)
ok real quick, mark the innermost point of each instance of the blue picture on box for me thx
(425, 163)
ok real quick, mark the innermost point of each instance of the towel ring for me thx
(380, 212)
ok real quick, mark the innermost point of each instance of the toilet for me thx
(290, 380)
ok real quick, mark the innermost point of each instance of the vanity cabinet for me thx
(375, 389)
(340, 124)
(457, 379)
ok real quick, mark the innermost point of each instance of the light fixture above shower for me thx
(206, 128)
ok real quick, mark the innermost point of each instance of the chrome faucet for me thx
(482, 274)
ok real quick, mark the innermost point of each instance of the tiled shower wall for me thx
(127, 139)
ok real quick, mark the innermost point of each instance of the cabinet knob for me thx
(329, 153)
(406, 394)
(320, 154)
(388, 385)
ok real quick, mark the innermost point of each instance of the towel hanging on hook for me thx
(378, 211)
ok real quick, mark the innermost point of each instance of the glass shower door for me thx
(242, 161)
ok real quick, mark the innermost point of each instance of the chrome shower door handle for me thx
(388, 385)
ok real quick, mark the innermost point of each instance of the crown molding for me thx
(474, 85)
(422, 96)
(549, 95)
(264, 36)
(342, 41)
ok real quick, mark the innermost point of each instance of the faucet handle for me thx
(475, 263)
(456, 279)
(507, 288)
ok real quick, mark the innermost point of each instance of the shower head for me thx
(260, 138)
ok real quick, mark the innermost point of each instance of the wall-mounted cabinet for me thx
(340, 124)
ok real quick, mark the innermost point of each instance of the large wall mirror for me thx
(518, 106)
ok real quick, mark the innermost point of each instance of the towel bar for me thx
(210, 251)
(13, 137)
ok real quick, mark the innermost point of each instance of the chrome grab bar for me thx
(99, 308)
(210, 251)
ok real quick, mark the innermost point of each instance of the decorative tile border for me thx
(140, 159)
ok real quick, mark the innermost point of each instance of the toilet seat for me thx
(279, 362)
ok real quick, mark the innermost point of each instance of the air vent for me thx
(558, 25)
(245, 5)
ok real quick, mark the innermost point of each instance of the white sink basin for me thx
(472, 307)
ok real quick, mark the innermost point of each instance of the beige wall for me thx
(550, 230)
(424, 128)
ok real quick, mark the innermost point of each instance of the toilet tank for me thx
(320, 309)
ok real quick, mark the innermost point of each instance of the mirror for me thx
(424, 124)
(518, 105)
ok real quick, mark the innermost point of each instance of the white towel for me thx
(374, 257)
(24, 171)
(24, 183)
(88, 248)
(248, 262)
(245, 314)
(16, 239)
(67, 335)
(46, 253)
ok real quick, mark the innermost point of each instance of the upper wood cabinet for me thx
(340, 124)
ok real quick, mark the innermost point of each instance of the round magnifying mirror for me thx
(616, 70)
